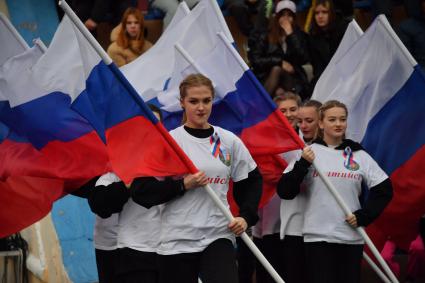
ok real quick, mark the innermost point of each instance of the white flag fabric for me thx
(151, 72)
(11, 42)
(182, 11)
(352, 34)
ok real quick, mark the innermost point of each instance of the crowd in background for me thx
(288, 60)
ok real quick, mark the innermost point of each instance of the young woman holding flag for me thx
(196, 239)
(333, 248)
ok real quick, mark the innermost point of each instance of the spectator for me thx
(277, 54)
(325, 35)
(130, 42)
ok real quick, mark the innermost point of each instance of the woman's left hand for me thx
(352, 220)
(238, 225)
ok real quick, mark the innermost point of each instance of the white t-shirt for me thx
(191, 222)
(292, 211)
(139, 227)
(324, 220)
(106, 229)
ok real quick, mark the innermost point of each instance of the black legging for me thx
(136, 266)
(215, 264)
(106, 265)
(333, 263)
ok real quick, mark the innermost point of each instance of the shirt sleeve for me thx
(373, 174)
(242, 161)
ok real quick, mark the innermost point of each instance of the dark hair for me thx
(315, 29)
(276, 31)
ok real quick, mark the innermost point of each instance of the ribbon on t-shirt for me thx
(349, 161)
(215, 145)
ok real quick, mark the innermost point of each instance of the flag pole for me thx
(378, 271)
(108, 61)
(12, 29)
(220, 204)
(360, 230)
(325, 179)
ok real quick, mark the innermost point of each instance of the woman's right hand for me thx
(308, 154)
(192, 181)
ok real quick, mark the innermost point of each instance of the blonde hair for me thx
(328, 105)
(194, 80)
(288, 96)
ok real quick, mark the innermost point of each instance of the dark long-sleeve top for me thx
(149, 191)
(380, 195)
(323, 45)
(264, 55)
(104, 200)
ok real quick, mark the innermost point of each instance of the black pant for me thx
(106, 265)
(294, 264)
(136, 266)
(246, 262)
(329, 263)
(215, 264)
(271, 247)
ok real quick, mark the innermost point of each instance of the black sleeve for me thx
(261, 59)
(289, 184)
(148, 191)
(297, 48)
(107, 200)
(379, 197)
(85, 190)
(247, 194)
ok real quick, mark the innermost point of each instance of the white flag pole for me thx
(12, 29)
(327, 183)
(360, 230)
(70, 13)
(220, 204)
(107, 60)
(378, 271)
(40, 44)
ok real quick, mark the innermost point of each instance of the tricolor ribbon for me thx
(215, 145)
(348, 156)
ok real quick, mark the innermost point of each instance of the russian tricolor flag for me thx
(67, 117)
(241, 105)
(384, 89)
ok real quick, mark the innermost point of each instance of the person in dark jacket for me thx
(277, 54)
(325, 35)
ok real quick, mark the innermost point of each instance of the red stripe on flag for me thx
(25, 200)
(400, 219)
(137, 148)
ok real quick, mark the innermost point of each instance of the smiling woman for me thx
(333, 249)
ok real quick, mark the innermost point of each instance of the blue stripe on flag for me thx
(397, 131)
